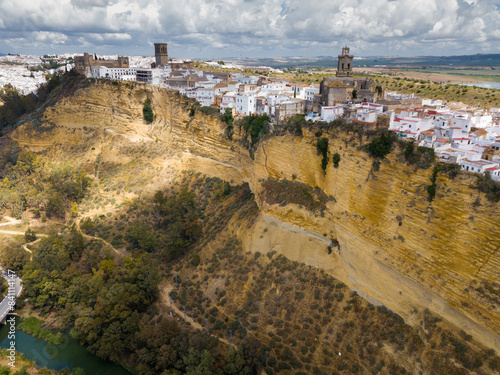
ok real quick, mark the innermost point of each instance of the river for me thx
(68, 354)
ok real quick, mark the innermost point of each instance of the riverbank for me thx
(43, 355)
(20, 363)
(34, 326)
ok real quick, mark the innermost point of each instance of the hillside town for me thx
(458, 134)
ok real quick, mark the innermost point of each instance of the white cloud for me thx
(49, 37)
(246, 27)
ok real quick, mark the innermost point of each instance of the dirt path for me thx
(25, 246)
(11, 220)
(165, 299)
(88, 236)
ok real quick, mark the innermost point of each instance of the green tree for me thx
(235, 363)
(336, 159)
(147, 111)
(30, 235)
(199, 362)
(227, 117)
(380, 146)
(141, 236)
(322, 148)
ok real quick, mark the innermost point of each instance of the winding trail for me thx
(13, 221)
(165, 299)
(164, 290)
(88, 236)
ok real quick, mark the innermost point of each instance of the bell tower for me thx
(344, 68)
(161, 54)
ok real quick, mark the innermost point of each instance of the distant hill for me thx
(478, 60)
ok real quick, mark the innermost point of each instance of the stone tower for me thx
(344, 68)
(161, 54)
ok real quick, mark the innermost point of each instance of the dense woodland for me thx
(29, 182)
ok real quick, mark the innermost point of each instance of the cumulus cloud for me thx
(248, 27)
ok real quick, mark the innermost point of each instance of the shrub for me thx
(195, 260)
(486, 185)
(451, 170)
(147, 111)
(336, 160)
(322, 146)
(431, 189)
(381, 146)
(30, 235)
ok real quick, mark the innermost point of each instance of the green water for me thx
(68, 354)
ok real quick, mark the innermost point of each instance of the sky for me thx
(251, 28)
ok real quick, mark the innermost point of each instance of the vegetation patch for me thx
(33, 325)
(228, 119)
(381, 146)
(255, 127)
(485, 184)
(431, 189)
(284, 192)
(28, 181)
(322, 148)
(422, 157)
(147, 111)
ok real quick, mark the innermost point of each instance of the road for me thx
(4, 305)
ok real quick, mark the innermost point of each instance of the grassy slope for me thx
(474, 96)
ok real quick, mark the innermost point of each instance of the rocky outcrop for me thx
(395, 247)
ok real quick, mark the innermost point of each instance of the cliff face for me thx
(395, 247)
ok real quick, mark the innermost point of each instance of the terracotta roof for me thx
(479, 132)
(428, 132)
(443, 140)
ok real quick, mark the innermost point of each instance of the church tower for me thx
(161, 54)
(344, 68)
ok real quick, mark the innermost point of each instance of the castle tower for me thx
(161, 54)
(344, 68)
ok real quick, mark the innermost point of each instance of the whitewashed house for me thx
(245, 104)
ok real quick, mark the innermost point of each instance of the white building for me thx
(329, 114)
(478, 166)
(245, 104)
(481, 121)
(111, 73)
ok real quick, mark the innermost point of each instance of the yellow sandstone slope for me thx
(395, 247)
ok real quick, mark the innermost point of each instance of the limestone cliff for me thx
(395, 247)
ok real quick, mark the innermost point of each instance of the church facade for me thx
(344, 87)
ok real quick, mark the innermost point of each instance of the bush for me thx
(423, 157)
(451, 170)
(336, 160)
(322, 146)
(381, 146)
(256, 126)
(486, 185)
(195, 260)
(147, 111)
(30, 235)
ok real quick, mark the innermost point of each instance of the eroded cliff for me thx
(395, 247)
